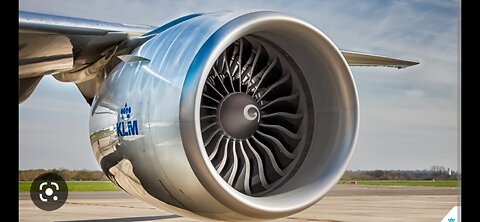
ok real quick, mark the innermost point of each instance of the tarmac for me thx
(345, 202)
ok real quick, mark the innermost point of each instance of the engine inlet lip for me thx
(262, 207)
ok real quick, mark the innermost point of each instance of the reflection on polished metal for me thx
(238, 116)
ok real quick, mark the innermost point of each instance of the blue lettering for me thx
(132, 128)
(120, 129)
(126, 127)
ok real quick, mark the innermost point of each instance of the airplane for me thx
(228, 115)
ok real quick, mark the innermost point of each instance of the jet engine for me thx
(229, 116)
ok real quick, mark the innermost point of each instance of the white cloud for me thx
(414, 93)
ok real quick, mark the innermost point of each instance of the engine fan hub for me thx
(238, 115)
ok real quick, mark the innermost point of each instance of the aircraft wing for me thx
(366, 59)
(50, 44)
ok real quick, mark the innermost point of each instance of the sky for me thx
(408, 118)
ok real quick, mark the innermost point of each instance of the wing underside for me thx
(70, 49)
(365, 59)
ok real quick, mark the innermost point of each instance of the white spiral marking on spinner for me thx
(247, 108)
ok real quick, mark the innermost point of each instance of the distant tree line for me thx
(69, 175)
(434, 173)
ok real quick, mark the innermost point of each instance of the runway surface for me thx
(343, 203)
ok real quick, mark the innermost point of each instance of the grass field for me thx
(76, 186)
(423, 183)
(79, 186)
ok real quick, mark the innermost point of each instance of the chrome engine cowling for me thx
(228, 115)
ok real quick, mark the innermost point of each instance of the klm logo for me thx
(126, 126)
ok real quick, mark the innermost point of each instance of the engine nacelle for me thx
(229, 115)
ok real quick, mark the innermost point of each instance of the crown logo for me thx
(125, 112)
